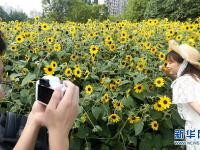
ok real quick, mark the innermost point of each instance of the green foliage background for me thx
(24, 62)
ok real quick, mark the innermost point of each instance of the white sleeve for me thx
(185, 90)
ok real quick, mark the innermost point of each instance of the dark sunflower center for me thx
(113, 117)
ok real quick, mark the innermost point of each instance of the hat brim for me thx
(195, 64)
(174, 46)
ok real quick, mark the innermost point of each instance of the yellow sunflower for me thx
(138, 88)
(112, 47)
(179, 38)
(13, 47)
(36, 18)
(118, 105)
(49, 70)
(140, 66)
(105, 98)
(94, 49)
(159, 82)
(133, 119)
(161, 56)
(50, 40)
(165, 101)
(113, 86)
(153, 50)
(73, 57)
(123, 40)
(78, 72)
(57, 47)
(114, 118)
(88, 89)
(154, 125)
(68, 72)
(54, 64)
(129, 58)
(19, 39)
(45, 26)
(157, 106)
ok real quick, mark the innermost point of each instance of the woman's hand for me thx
(59, 114)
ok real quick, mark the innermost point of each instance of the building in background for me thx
(116, 7)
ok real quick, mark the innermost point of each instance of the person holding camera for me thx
(57, 116)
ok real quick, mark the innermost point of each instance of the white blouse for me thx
(186, 89)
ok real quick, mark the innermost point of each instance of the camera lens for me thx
(44, 82)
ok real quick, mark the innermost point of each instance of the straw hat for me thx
(188, 53)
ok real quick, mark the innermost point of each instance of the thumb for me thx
(55, 98)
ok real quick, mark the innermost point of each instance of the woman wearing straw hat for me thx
(182, 63)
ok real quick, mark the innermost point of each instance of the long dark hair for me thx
(190, 69)
(2, 44)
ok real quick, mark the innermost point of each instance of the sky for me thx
(25, 5)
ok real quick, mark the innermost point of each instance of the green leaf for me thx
(156, 115)
(125, 82)
(146, 142)
(104, 147)
(156, 141)
(138, 127)
(96, 111)
(168, 124)
(83, 132)
(24, 93)
(129, 102)
(27, 79)
(75, 143)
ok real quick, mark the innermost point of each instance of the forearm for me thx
(28, 137)
(195, 106)
(58, 140)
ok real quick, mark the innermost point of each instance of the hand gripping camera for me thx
(45, 88)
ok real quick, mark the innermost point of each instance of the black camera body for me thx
(45, 88)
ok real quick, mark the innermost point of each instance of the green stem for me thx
(89, 118)
(119, 132)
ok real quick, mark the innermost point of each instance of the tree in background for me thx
(3, 14)
(135, 9)
(56, 9)
(17, 15)
(13, 15)
(173, 9)
(76, 10)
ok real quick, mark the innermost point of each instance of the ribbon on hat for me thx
(182, 68)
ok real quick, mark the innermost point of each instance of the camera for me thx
(45, 88)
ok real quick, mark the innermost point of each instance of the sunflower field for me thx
(125, 96)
